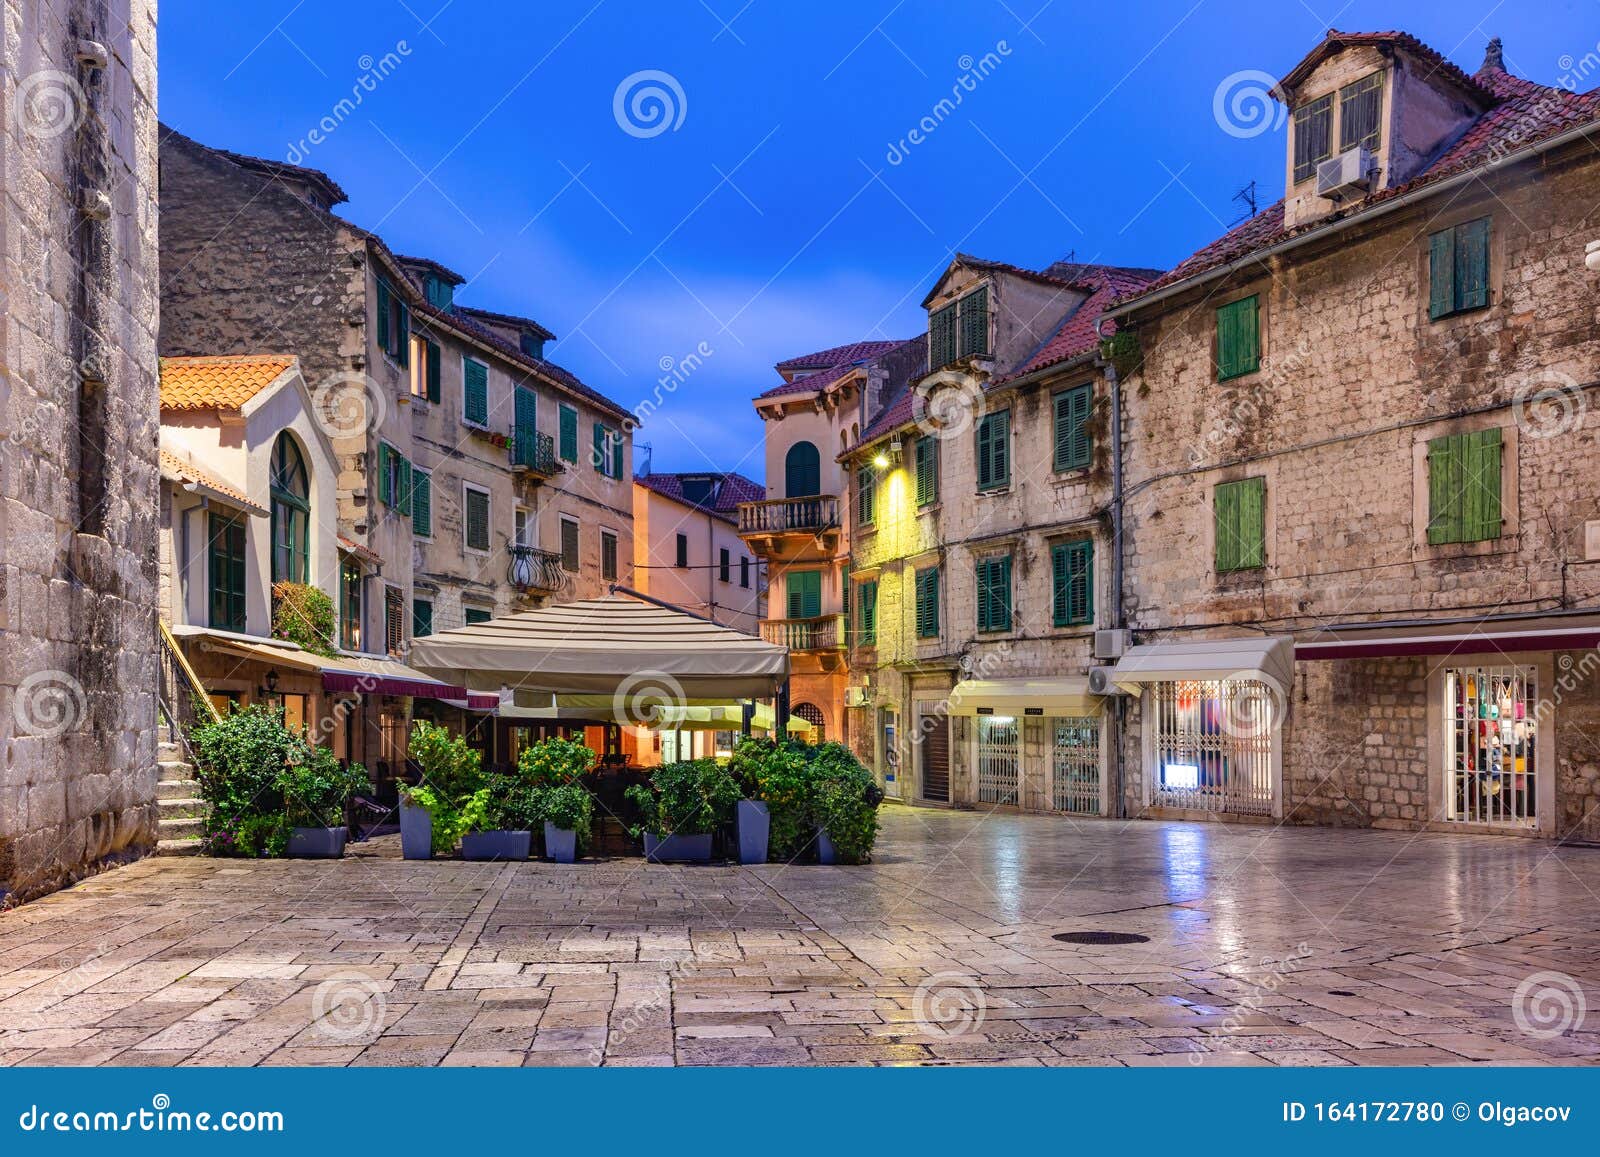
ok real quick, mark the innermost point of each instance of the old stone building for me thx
(78, 292)
(687, 549)
(1359, 424)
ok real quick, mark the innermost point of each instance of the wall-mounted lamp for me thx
(271, 681)
(881, 460)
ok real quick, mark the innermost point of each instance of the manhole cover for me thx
(1100, 938)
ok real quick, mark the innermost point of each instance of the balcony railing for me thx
(789, 515)
(822, 633)
(535, 571)
(532, 450)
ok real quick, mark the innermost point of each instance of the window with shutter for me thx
(1464, 479)
(226, 571)
(525, 411)
(402, 336)
(476, 526)
(350, 604)
(402, 486)
(802, 471)
(1238, 338)
(1072, 581)
(1458, 269)
(474, 392)
(868, 602)
(1073, 448)
(476, 615)
(974, 320)
(927, 470)
(435, 372)
(608, 555)
(616, 454)
(394, 621)
(724, 565)
(744, 571)
(1240, 519)
(994, 450)
(928, 603)
(1359, 106)
(1313, 136)
(385, 474)
(866, 495)
(422, 504)
(803, 592)
(384, 337)
(994, 594)
(682, 559)
(569, 433)
(421, 618)
(942, 337)
(569, 545)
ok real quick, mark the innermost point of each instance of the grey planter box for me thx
(678, 849)
(825, 851)
(499, 845)
(560, 844)
(755, 824)
(416, 832)
(317, 843)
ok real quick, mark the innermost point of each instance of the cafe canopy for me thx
(615, 646)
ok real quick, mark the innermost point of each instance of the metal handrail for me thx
(532, 450)
(534, 569)
(196, 688)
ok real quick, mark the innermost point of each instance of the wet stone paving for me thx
(1287, 946)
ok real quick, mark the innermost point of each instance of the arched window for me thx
(291, 512)
(802, 471)
(812, 714)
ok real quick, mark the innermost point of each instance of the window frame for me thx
(926, 627)
(1002, 482)
(680, 552)
(867, 612)
(1071, 462)
(417, 618)
(1460, 301)
(467, 490)
(1461, 528)
(236, 594)
(1071, 562)
(1302, 171)
(926, 460)
(1372, 82)
(1234, 367)
(350, 617)
(792, 593)
(988, 622)
(866, 495)
(1240, 557)
(466, 417)
(608, 555)
(421, 481)
(565, 411)
(565, 521)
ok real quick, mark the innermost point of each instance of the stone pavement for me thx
(1299, 946)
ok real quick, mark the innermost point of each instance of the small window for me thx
(960, 329)
(421, 503)
(350, 586)
(1238, 338)
(421, 618)
(394, 324)
(803, 591)
(419, 367)
(607, 457)
(927, 470)
(475, 524)
(476, 615)
(394, 620)
(1458, 269)
(974, 321)
(744, 572)
(681, 560)
(569, 545)
(1240, 517)
(868, 603)
(942, 337)
(994, 450)
(569, 433)
(1464, 475)
(1073, 448)
(1360, 104)
(866, 495)
(994, 593)
(531, 344)
(1072, 580)
(226, 574)
(927, 588)
(1313, 136)
(725, 566)
(394, 479)
(521, 527)
(474, 392)
(608, 556)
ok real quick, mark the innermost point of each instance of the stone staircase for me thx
(178, 796)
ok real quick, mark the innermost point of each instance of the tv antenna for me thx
(1247, 197)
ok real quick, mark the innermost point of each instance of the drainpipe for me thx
(1119, 703)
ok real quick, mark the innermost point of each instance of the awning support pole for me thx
(748, 710)
(780, 712)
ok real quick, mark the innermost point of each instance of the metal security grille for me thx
(998, 762)
(1213, 744)
(1075, 765)
(935, 756)
(1489, 753)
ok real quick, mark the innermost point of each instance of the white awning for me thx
(1061, 695)
(1268, 659)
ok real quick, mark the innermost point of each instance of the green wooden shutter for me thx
(475, 392)
(1445, 472)
(403, 348)
(1238, 338)
(1072, 567)
(942, 337)
(421, 618)
(1239, 514)
(1441, 273)
(804, 591)
(525, 411)
(928, 603)
(422, 504)
(866, 495)
(226, 571)
(927, 470)
(1482, 518)
(598, 456)
(569, 546)
(1073, 448)
(477, 520)
(385, 475)
(994, 450)
(975, 322)
(402, 501)
(569, 433)
(869, 612)
(383, 315)
(994, 594)
(435, 372)
(616, 455)
(1472, 264)
(1464, 481)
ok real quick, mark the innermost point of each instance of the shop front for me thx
(1035, 744)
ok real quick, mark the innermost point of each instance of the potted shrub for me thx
(568, 811)
(844, 801)
(682, 805)
(316, 789)
(503, 828)
(240, 761)
(774, 818)
(451, 792)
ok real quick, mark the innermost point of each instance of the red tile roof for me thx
(1438, 64)
(729, 491)
(1077, 334)
(838, 355)
(1525, 114)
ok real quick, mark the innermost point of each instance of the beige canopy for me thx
(1063, 695)
(610, 646)
(1268, 659)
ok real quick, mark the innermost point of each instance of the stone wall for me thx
(79, 483)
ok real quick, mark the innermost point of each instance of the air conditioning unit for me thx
(1101, 681)
(1112, 644)
(1351, 170)
(858, 696)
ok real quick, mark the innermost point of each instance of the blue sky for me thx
(771, 219)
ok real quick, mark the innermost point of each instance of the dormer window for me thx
(960, 329)
(532, 345)
(441, 294)
(1359, 106)
(1313, 136)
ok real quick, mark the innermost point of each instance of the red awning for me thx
(388, 678)
(1501, 636)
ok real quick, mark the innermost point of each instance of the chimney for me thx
(1492, 56)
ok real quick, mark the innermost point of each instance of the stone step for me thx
(180, 847)
(177, 828)
(183, 808)
(177, 789)
(175, 769)
(166, 750)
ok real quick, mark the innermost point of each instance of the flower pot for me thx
(560, 844)
(416, 832)
(500, 845)
(754, 821)
(317, 843)
(694, 849)
(825, 849)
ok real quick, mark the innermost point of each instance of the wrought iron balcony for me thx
(812, 515)
(532, 450)
(821, 633)
(535, 571)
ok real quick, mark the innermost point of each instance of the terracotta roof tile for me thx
(218, 383)
(838, 355)
(176, 469)
(731, 489)
(1077, 334)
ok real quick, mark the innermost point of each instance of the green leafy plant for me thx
(316, 788)
(844, 802)
(453, 789)
(806, 788)
(303, 614)
(260, 837)
(686, 798)
(554, 761)
(514, 805)
(568, 807)
(779, 774)
(239, 764)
